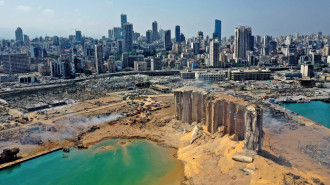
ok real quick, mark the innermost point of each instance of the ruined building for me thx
(220, 112)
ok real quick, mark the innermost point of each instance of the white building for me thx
(211, 76)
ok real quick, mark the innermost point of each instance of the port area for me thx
(292, 152)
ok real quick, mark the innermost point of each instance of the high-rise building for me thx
(19, 34)
(66, 69)
(99, 58)
(117, 33)
(200, 35)
(136, 36)
(78, 36)
(168, 42)
(177, 34)
(217, 30)
(196, 47)
(15, 63)
(267, 39)
(214, 53)
(257, 40)
(154, 31)
(120, 46)
(123, 20)
(26, 38)
(241, 42)
(182, 37)
(110, 34)
(128, 37)
(149, 37)
(161, 34)
(56, 41)
(250, 39)
(55, 68)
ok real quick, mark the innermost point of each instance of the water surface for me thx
(317, 111)
(110, 162)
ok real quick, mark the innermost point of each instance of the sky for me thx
(95, 17)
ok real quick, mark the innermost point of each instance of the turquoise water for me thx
(137, 162)
(317, 111)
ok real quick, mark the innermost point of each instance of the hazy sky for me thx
(95, 17)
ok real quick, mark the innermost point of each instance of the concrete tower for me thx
(99, 58)
(241, 42)
(217, 30)
(168, 42)
(123, 20)
(214, 53)
(128, 37)
(177, 34)
(19, 34)
(154, 31)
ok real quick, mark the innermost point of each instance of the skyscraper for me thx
(117, 33)
(217, 30)
(214, 53)
(250, 41)
(128, 37)
(123, 20)
(267, 39)
(110, 34)
(241, 42)
(161, 34)
(182, 37)
(177, 34)
(200, 35)
(154, 31)
(120, 46)
(99, 58)
(19, 34)
(56, 40)
(168, 42)
(26, 38)
(78, 36)
(149, 36)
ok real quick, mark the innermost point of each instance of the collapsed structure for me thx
(221, 112)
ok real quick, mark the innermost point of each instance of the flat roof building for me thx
(15, 63)
(140, 66)
(241, 75)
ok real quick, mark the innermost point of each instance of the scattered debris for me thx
(242, 158)
(9, 155)
(66, 149)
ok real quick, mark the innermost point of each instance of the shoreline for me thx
(292, 114)
(323, 99)
(25, 159)
(299, 115)
(146, 138)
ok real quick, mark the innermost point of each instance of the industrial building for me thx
(240, 75)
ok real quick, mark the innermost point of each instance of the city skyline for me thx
(95, 18)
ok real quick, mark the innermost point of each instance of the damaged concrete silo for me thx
(233, 115)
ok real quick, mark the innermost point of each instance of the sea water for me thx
(317, 111)
(112, 162)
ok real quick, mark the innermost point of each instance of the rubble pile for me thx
(321, 154)
(4, 116)
(8, 155)
(117, 83)
(39, 99)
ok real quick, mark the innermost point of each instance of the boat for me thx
(288, 100)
